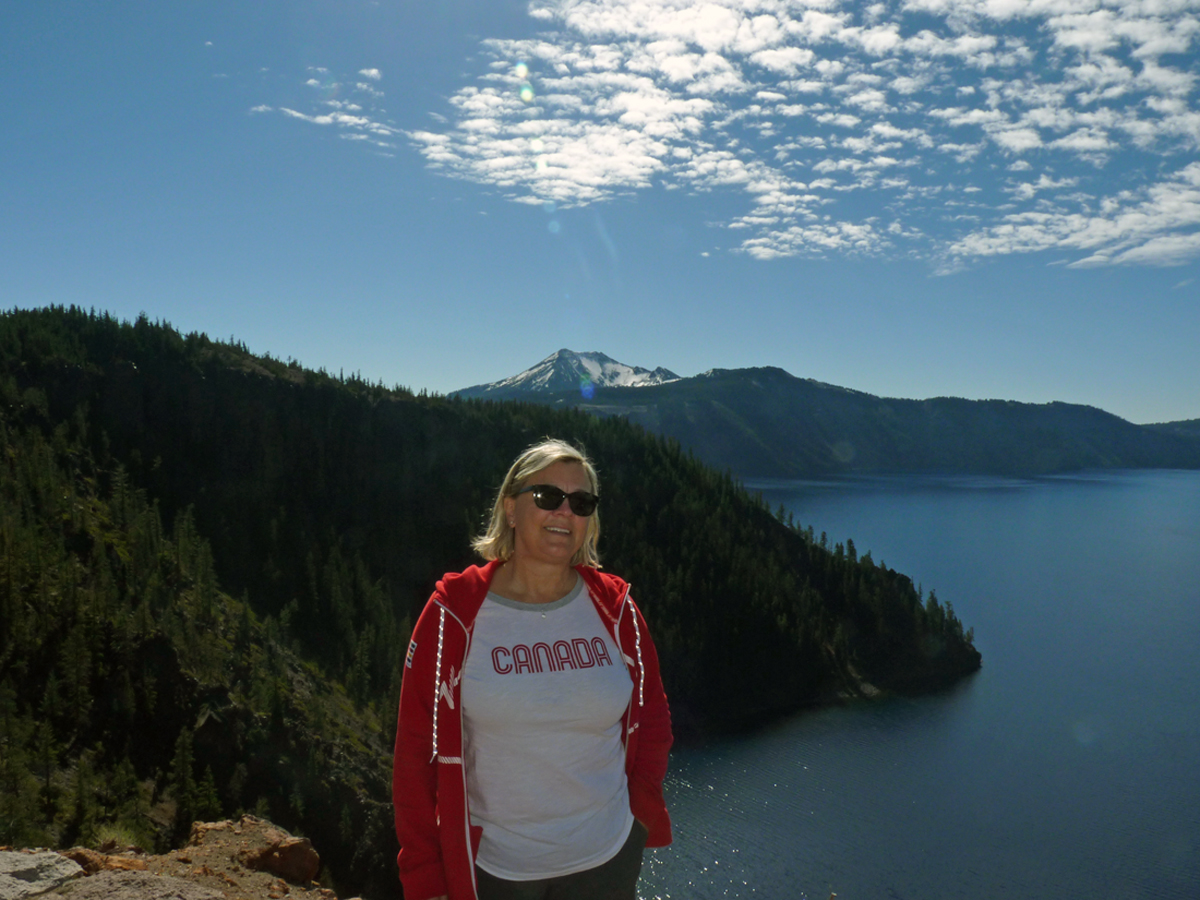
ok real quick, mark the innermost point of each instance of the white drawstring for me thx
(637, 639)
(437, 680)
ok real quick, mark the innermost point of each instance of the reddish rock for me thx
(270, 849)
(292, 859)
(92, 861)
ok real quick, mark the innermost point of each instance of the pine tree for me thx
(182, 784)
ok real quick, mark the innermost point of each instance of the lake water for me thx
(1069, 767)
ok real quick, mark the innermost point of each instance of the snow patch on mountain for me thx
(568, 370)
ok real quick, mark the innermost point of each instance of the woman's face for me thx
(549, 535)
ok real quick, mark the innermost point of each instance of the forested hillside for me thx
(135, 690)
(136, 696)
(1188, 428)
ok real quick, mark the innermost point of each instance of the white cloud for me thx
(1027, 189)
(962, 153)
(1085, 140)
(357, 119)
(794, 104)
(907, 84)
(820, 239)
(841, 120)
(336, 118)
(1017, 140)
(784, 60)
(1159, 224)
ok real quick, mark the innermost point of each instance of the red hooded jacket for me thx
(429, 783)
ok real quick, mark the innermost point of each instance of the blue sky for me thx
(976, 198)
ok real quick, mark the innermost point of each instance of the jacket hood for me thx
(462, 593)
(609, 590)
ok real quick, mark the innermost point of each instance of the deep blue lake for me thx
(1069, 767)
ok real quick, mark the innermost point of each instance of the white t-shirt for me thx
(544, 691)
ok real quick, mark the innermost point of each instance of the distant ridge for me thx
(567, 370)
(766, 423)
(1189, 428)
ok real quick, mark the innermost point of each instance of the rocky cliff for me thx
(250, 859)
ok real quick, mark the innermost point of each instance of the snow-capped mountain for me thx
(567, 370)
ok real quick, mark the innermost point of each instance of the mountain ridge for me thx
(765, 422)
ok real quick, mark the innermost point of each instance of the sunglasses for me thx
(547, 496)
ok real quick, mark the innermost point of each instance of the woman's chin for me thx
(555, 548)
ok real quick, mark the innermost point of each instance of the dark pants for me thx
(613, 880)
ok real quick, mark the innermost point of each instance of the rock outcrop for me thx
(116, 885)
(29, 873)
(250, 859)
(263, 847)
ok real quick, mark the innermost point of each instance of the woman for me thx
(533, 732)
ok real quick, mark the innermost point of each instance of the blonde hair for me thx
(497, 541)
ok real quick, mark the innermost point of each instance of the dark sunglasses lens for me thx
(582, 503)
(546, 496)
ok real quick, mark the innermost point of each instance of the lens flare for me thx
(537, 145)
(527, 93)
(586, 388)
(522, 71)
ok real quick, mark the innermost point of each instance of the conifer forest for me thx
(210, 562)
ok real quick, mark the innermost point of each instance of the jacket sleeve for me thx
(654, 741)
(414, 771)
